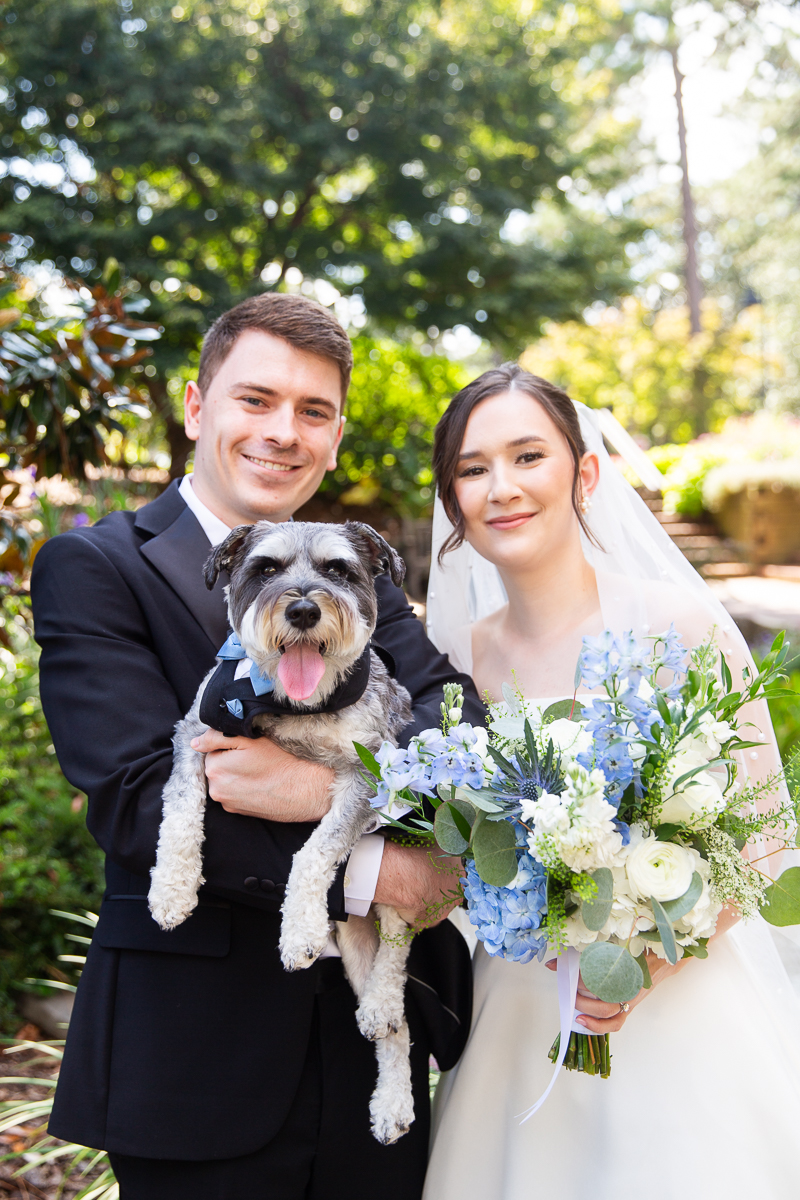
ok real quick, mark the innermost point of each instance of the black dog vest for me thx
(229, 705)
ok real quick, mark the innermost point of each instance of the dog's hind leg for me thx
(381, 1009)
(357, 939)
(305, 924)
(178, 873)
(391, 1107)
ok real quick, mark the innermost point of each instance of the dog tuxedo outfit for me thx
(200, 1064)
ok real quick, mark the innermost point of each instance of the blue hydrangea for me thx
(507, 920)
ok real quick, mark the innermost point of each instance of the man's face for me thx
(267, 429)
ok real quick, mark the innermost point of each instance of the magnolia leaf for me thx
(666, 931)
(563, 710)
(595, 912)
(675, 909)
(611, 972)
(782, 900)
(453, 825)
(494, 847)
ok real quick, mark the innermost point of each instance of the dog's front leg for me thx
(381, 1008)
(305, 925)
(178, 873)
(392, 1104)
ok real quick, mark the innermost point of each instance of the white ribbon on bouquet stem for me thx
(567, 975)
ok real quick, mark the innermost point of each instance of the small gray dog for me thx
(302, 606)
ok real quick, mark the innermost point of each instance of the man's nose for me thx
(281, 427)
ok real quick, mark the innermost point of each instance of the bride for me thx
(539, 542)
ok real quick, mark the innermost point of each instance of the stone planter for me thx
(764, 522)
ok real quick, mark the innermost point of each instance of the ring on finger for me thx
(624, 1007)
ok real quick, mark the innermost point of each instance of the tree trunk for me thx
(694, 290)
(180, 447)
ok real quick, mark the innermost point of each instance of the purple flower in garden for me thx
(79, 520)
(6, 579)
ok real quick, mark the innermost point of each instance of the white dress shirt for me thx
(364, 864)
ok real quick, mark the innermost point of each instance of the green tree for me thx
(380, 148)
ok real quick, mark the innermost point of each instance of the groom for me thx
(204, 1068)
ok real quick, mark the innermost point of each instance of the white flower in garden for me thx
(660, 869)
(569, 738)
(576, 827)
(698, 801)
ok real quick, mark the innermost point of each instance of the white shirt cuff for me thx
(361, 874)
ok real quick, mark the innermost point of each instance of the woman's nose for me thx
(502, 486)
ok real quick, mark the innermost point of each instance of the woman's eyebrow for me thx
(522, 441)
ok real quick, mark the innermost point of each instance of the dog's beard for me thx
(306, 665)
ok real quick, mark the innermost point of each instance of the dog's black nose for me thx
(303, 613)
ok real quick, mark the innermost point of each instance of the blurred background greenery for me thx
(462, 183)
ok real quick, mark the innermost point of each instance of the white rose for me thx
(696, 804)
(660, 869)
(569, 738)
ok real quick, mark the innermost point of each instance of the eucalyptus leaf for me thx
(698, 951)
(643, 967)
(563, 710)
(453, 825)
(666, 931)
(483, 799)
(595, 912)
(675, 909)
(494, 847)
(611, 972)
(578, 673)
(782, 900)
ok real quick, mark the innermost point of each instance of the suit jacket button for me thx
(267, 885)
(251, 883)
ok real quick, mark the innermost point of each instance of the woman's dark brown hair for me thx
(449, 435)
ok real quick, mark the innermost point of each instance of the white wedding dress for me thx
(704, 1094)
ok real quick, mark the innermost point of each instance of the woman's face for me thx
(514, 482)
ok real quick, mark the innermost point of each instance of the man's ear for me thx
(381, 556)
(222, 556)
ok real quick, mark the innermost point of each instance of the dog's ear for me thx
(222, 556)
(382, 557)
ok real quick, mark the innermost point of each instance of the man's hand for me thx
(256, 778)
(421, 883)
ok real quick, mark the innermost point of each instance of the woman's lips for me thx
(512, 522)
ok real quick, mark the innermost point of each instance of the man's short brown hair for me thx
(299, 321)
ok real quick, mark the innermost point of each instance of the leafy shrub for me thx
(47, 857)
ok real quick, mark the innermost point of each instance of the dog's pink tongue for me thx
(300, 670)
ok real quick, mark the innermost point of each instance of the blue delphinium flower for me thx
(507, 919)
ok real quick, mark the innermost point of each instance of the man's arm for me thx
(111, 713)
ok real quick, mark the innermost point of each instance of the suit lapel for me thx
(178, 551)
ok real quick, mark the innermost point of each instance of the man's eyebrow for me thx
(521, 441)
(268, 391)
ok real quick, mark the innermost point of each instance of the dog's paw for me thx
(376, 1021)
(391, 1116)
(300, 947)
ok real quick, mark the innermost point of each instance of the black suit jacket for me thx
(189, 1044)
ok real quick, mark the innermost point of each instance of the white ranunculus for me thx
(696, 804)
(660, 869)
(570, 738)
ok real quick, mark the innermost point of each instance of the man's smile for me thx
(269, 465)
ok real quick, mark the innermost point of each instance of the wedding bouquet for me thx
(614, 825)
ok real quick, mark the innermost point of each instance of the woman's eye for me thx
(471, 472)
(530, 456)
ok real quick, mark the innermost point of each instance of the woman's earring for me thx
(585, 505)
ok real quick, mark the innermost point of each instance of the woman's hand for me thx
(601, 1017)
